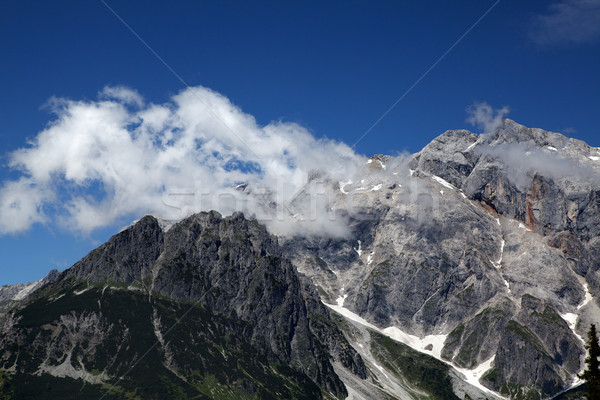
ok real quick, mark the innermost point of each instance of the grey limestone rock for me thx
(490, 241)
(231, 266)
(462, 236)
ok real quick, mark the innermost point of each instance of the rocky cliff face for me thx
(94, 320)
(11, 294)
(488, 243)
(481, 251)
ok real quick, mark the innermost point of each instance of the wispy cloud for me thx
(483, 116)
(567, 22)
(123, 94)
(119, 157)
(524, 160)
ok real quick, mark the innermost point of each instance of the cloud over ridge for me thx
(118, 157)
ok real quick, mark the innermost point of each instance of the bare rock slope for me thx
(486, 242)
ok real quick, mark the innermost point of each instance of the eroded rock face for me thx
(11, 294)
(474, 237)
(490, 243)
(236, 268)
(448, 156)
(230, 266)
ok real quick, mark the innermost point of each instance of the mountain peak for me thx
(481, 251)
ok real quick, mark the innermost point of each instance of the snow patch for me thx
(340, 300)
(502, 244)
(524, 227)
(574, 383)
(442, 192)
(437, 341)
(571, 320)
(551, 148)
(376, 187)
(359, 250)
(471, 146)
(506, 283)
(594, 158)
(370, 258)
(588, 296)
(498, 264)
(412, 172)
(369, 161)
(343, 185)
(473, 375)
(362, 187)
(442, 182)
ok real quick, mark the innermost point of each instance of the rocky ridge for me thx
(9, 294)
(486, 242)
(480, 251)
(229, 266)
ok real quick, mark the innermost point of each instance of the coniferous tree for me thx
(592, 372)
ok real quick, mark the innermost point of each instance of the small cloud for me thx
(124, 94)
(483, 116)
(569, 131)
(567, 22)
(21, 203)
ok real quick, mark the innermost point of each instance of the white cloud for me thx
(524, 160)
(482, 115)
(20, 205)
(122, 93)
(567, 22)
(101, 161)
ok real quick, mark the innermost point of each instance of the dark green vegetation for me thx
(422, 371)
(592, 371)
(206, 355)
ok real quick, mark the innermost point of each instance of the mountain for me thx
(248, 323)
(10, 294)
(468, 270)
(483, 247)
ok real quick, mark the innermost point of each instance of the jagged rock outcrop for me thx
(480, 250)
(230, 266)
(545, 344)
(459, 238)
(12, 294)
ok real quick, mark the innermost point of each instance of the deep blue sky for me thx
(334, 67)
